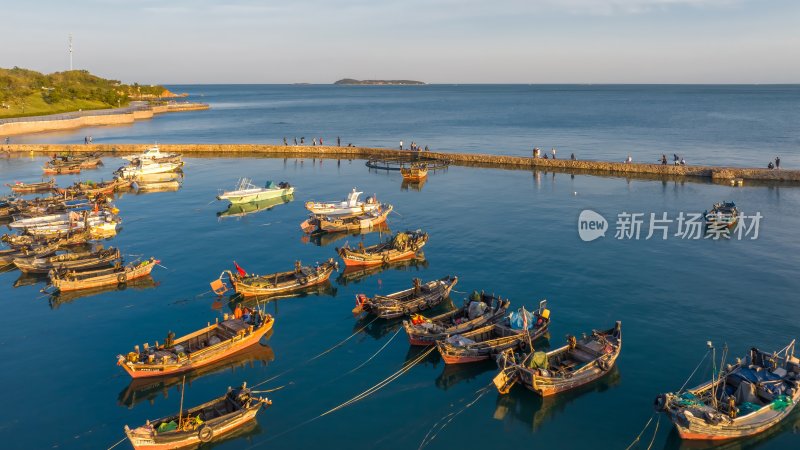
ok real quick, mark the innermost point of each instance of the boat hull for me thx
(263, 195)
(65, 285)
(234, 346)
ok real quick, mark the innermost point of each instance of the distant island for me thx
(26, 92)
(351, 81)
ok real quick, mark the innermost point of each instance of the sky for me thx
(436, 41)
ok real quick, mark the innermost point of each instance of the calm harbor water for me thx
(513, 233)
(719, 125)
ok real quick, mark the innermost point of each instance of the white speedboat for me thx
(348, 207)
(247, 192)
(56, 223)
(136, 170)
(154, 153)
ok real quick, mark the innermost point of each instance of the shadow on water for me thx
(354, 274)
(29, 279)
(322, 238)
(149, 389)
(412, 185)
(524, 406)
(322, 289)
(243, 209)
(452, 374)
(62, 298)
(789, 425)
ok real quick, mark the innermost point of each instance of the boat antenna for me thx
(180, 411)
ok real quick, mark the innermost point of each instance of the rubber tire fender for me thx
(122, 278)
(205, 434)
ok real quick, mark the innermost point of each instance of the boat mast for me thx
(180, 411)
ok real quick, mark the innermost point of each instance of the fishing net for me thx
(781, 402)
(688, 399)
(748, 407)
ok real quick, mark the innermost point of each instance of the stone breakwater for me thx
(634, 170)
(101, 117)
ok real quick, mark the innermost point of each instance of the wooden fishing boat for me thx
(403, 245)
(410, 301)
(336, 224)
(348, 207)
(7, 256)
(479, 310)
(20, 187)
(149, 389)
(61, 170)
(415, 172)
(515, 331)
(200, 424)
(301, 277)
(576, 364)
(58, 299)
(743, 399)
(91, 163)
(722, 215)
(92, 189)
(246, 191)
(68, 280)
(206, 346)
(354, 274)
(70, 261)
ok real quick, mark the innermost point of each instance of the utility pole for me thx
(70, 51)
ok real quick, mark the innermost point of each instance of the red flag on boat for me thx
(239, 269)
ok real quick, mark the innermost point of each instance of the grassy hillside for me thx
(28, 93)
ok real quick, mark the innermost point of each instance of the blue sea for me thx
(727, 125)
(514, 233)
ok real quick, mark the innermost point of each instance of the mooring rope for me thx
(345, 340)
(120, 442)
(383, 383)
(339, 344)
(655, 431)
(693, 372)
(376, 353)
(426, 440)
(641, 432)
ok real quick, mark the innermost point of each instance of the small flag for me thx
(239, 269)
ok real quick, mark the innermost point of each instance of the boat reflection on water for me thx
(415, 351)
(378, 328)
(413, 185)
(452, 374)
(61, 298)
(322, 289)
(149, 389)
(29, 279)
(321, 239)
(242, 209)
(790, 425)
(354, 274)
(523, 405)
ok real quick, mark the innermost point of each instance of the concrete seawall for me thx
(717, 174)
(39, 125)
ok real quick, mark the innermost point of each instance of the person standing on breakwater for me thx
(401, 145)
(320, 141)
(302, 140)
(535, 152)
(572, 157)
(553, 151)
(8, 140)
(663, 160)
(338, 141)
(295, 140)
(777, 160)
(314, 142)
(284, 141)
(629, 160)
